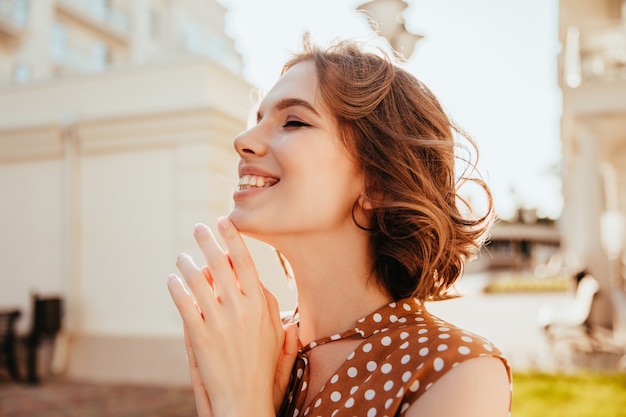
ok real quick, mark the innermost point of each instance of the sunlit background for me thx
(491, 63)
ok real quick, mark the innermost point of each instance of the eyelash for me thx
(296, 123)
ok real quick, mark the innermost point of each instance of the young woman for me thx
(350, 174)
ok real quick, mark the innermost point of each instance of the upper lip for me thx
(253, 170)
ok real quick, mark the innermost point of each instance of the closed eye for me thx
(296, 123)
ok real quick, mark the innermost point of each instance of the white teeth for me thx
(249, 181)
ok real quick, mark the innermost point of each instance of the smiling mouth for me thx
(255, 181)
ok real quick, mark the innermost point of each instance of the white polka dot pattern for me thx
(404, 352)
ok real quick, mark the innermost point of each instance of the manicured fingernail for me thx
(181, 256)
(223, 223)
(199, 228)
(172, 277)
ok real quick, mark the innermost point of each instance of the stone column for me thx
(586, 205)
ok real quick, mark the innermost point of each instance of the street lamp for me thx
(386, 19)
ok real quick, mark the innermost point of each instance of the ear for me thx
(360, 212)
(365, 202)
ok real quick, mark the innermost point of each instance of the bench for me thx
(8, 341)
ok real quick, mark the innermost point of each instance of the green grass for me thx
(527, 283)
(578, 395)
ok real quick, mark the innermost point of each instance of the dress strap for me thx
(322, 341)
(297, 388)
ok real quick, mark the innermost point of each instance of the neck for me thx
(336, 307)
(335, 284)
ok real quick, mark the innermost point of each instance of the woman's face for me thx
(295, 178)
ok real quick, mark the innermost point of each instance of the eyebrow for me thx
(291, 102)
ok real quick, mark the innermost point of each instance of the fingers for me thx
(207, 275)
(290, 347)
(238, 312)
(285, 364)
(242, 261)
(228, 274)
(191, 357)
(184, 302)
(197, 282)
(218, 264)
(272, 306)
(203, 405)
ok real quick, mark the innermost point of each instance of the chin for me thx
(245, 224)
(238, 219)
(254, 227)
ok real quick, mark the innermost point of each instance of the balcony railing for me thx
(213, 46)
(97, 13)
(595, 53)
(76, 58)
(13, 14)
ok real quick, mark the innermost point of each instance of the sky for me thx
(491, 63)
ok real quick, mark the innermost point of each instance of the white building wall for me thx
(103, 178)
(127, 235)
(32, 241)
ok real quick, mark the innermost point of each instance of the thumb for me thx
(285, 364)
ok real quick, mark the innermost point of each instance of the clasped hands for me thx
(240, 355)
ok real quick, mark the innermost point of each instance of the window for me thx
(101, 8)
(58, 42)
(153, 23)
(21, 73)
(20, 12)
(101, 56)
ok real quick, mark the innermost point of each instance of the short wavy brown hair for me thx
(398, 133)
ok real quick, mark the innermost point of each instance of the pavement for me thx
(56, 397)
(509, 320)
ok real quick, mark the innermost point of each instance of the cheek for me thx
(339, 186)
(320, 169)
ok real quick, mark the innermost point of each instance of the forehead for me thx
(299, 81)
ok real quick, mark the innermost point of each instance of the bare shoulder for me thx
(478, 387)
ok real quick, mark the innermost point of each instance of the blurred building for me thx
(592, 77)
(523, 244)
(116, 127)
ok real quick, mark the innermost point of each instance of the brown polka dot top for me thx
(405, 350)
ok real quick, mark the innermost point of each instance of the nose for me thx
(250, 143)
